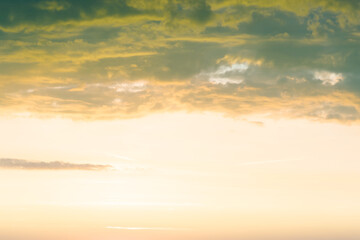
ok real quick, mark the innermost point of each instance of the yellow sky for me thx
(176, 175)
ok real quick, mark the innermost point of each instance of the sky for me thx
(179, 119)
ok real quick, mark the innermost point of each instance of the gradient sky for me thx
(179, 119)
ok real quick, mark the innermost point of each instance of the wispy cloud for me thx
(119, 156)
(127, 204)
(263, 162)
(11, 163)
(148, 228)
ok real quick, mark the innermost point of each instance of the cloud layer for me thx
(10, 163)
(120, 59)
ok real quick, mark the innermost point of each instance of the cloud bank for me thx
(10, 163)
(122, 59)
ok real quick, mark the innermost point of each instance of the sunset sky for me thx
(179, 119)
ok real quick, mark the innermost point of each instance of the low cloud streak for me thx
(11, 163)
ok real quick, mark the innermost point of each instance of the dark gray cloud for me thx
(11, 163)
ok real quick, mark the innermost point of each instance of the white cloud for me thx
(329, 78)
(132, 87)
(237, 67)
(224, 81)
(225, 74)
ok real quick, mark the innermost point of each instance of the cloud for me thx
(132, 203)
(329, 78)
(53, 5)
(224, 81)
(233, 68)
(123, 59)
(133, 87)
(227, 74)
(10, 163)
(119, 157)
(263, 162)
